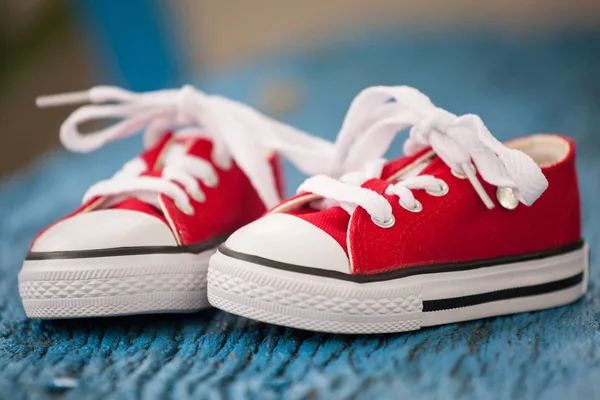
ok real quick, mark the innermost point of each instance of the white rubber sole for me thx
(111, 286)
(326, 304)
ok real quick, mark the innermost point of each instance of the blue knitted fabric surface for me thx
(547, 84)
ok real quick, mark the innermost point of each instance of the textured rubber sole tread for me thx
(154, 303)
(330, 305)
(114, 286)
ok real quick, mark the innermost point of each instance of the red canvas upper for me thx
(454, 228)
(227, 207)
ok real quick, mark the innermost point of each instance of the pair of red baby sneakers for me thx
(462, 227)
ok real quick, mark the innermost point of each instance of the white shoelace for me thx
(459, 141)
(237, 131)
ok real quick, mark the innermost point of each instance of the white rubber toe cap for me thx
(104, 229)
(291, 240)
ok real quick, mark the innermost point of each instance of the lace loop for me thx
(464, 143)
(238, 132)
(373, 121)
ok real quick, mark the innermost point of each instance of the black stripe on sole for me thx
(504, 294)
(196, 248)
(401, 272)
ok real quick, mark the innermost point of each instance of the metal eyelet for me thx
(417, 208)
(460, 175)
(444, 189)
(385, 224)
(507, 198)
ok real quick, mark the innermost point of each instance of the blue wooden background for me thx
(518, 87)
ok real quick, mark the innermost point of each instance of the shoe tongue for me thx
(153, 154)
(407, 166)
(200, 147)
(195, 146)
(434, 167)
(402, 168)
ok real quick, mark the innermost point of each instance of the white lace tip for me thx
(62, 99)
(488, 203)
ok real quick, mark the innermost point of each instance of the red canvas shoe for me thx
(463, 228)
(141, 241)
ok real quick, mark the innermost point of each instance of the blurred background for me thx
(50, 46)
(524, 66)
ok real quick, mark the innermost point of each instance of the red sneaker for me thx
(141, 241)
(463, 228)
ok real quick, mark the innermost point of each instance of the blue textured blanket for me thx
(550, 84)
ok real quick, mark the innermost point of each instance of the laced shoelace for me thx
(459, 141)
(237, 131)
